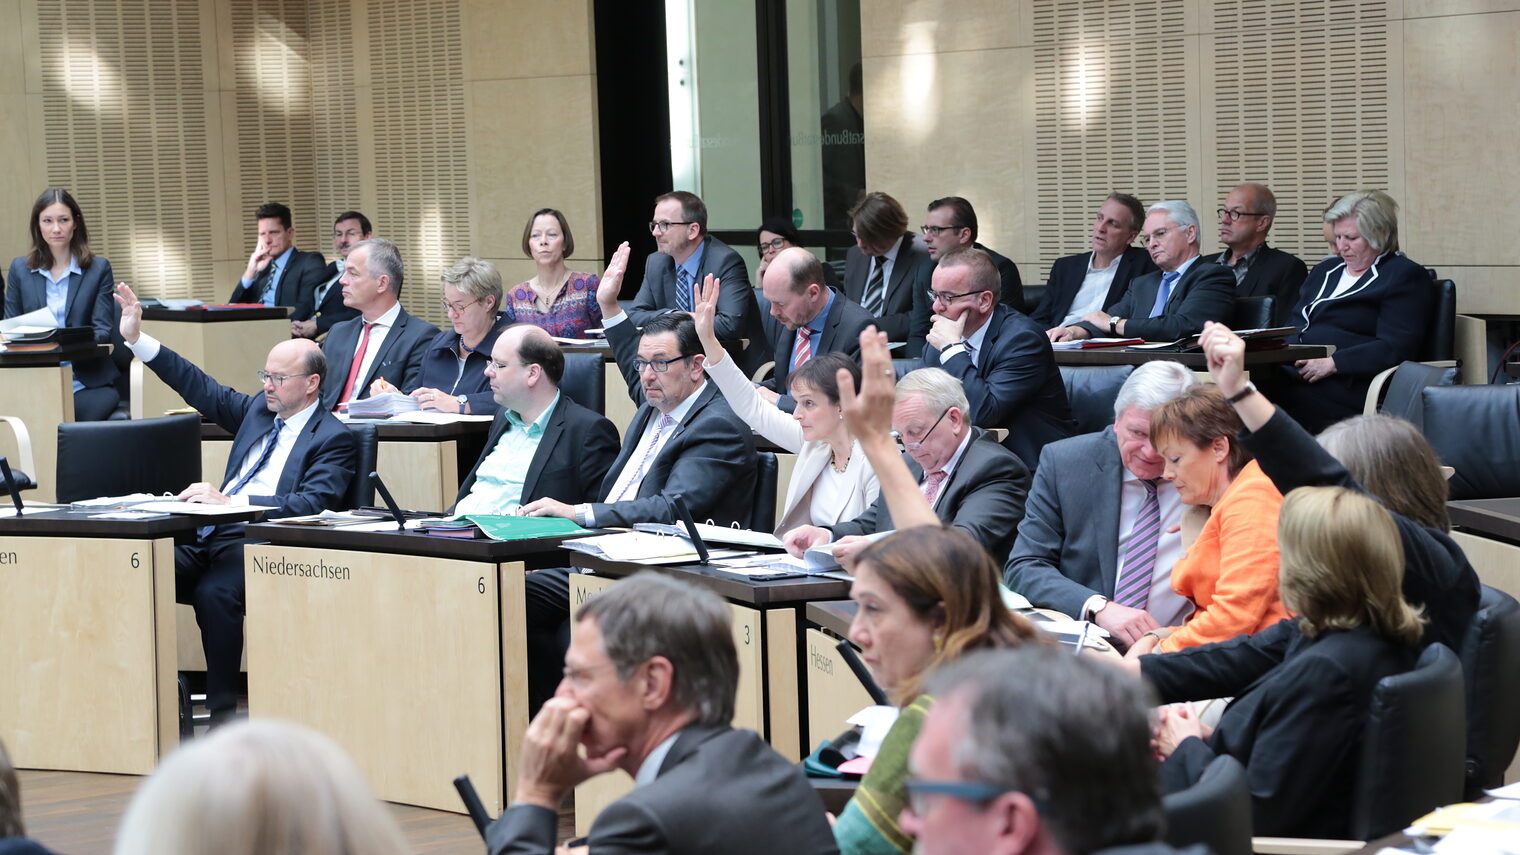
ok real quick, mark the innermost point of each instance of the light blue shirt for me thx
(693, 263)
(499, 480)
(272, 284)
(58, 298)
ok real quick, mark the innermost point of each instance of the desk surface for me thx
(736, 588)
(387, 430)
(66, 523)
(52, 357)
(1497, 518)
(404, 542)
(215, 316)
(833, 615)
(1131, 356)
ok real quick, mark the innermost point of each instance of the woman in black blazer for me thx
(60, 274)
(1369, 300)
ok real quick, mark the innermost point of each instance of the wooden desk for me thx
(228, 344)
(87, 653)
(422, 465)
(407, 649)
(39, 390)
(833, 692)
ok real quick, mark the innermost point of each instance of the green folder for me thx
(508, 527)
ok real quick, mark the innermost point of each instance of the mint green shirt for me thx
(499, 480)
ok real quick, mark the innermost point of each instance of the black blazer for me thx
(399, 359)
(1206, 292)
(718, 790)
(738, 316)
(330, 309)
(1013, 286)
(303, 273)
(440, 365)
(320, 466)
(905, 314)
(572, 459)
(91, 303)
(1378, 323)
(1273, 273)
(709, 459)
(1015, 384)
(1065, 280)
(841, 333)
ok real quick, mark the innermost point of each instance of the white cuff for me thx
(145, 348)
(952, 350)
(1091, 605)
(614, 320)
(584, 517)
(239, 501)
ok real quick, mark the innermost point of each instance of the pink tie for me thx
(654, 444)
(804, 349)
(932, 482)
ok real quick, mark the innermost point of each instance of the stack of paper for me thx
(380, 406)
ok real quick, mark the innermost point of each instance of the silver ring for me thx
(889, 371)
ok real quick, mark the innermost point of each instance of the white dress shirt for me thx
(377, 335)
(267, 481)
(1095, 285)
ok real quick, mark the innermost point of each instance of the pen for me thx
(1082, 639)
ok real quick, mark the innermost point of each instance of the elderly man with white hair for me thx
(1170, 303)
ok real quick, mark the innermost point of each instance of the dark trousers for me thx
(208, 574)
(547, 593)
(1316, 406)
(95, 405)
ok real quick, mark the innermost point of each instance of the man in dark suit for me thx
(542, 443)
(287, 453)
(1260, 270)
(1172, 302)
(971, 482)
(278, 274)
(384, 342)
(323, 307)
(1001, 357)
(1100, 510)
(685, 254)
(811, 319)
(648, 687)
(951, 225)
(1088, 281)
(887, 273)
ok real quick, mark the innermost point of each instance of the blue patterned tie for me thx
(264, 455)
(683, 289)
(1163, 293)
(271, 283)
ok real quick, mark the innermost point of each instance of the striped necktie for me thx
(1133, 587)
(874, 299)
(804, 350)
(683, 289)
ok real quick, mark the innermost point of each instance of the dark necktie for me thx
(264, 455)
(874, 300)
(271, 282)
(1133, 587)
(683, 289)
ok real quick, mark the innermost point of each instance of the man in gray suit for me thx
(384, 342)
(1100, 512)
(971, 482)
(649, 686)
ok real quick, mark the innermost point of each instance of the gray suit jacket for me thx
(1206, 292)
(719, 790)
(984, 496)
(738, 315)
(399, 359)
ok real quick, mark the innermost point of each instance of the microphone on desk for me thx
(10, 484)
(472, 803)
(852, 659)
(390, 502)
(683, 516)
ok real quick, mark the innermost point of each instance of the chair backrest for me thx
(1491, 666)
(1474, 431)
(113, 458)
(1414, 747)
(1033, 295)
(1253, 313)
(1216, 811)
(1441, 342)
(1091, 390)
(1402, 396)
(903, 366)
(763, 516)
(361, 490)
(585, 382)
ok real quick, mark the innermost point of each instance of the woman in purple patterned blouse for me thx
(558, 299)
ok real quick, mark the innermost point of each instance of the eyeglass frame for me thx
(659, 366)
(971, 792)
(279, 379)
(659, 227)
(1234, 216)
(919, 443)
(936, 231)
(948, 298)
(458, 308)
(775, 244)
(1158, 234)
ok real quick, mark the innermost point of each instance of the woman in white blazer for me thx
(832, 481)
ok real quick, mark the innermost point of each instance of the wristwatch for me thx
(463, 400)
(1113, 326)
(1245, 391)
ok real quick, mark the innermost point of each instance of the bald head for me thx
(294, 371)
(794, 286)
(525, 369)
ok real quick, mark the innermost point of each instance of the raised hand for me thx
(1226, 353)
(868, 412)
(611, 284)
(704, 313)
(131, 313)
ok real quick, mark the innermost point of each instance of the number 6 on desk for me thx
(480, 584)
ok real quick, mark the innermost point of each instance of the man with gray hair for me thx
(1006, 761)
(1260, 271)
(384, 342)
(971, 482)
(649, 687)
(1170, 303)
(1097, 539)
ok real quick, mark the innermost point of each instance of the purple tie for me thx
(1133, 587)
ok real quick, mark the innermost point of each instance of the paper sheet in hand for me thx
(509, 527)
(42, 319)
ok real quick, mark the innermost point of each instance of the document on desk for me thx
(198, 509)
(30, 323)
(643, 548)
(432, 417)
(717, 534)
(10, 512)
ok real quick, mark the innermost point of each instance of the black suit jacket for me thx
(303, 273)
(1013, 286)
(1206, 292)
(719, 790)
(23, 846)
(905, 313)
(738, 316)
(399, 359)
(709, 458)
(330, 309)
(1067, 273)
(572, 459)
(841, 333)
(1014, 384)
(91, 303)
(984, 496)
(320, 466)
(1273, 273)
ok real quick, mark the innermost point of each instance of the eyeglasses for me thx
(1232, 215)
(1156, 235)
(278, 379)
(967, 791)
(660, 227)
(660, 366)
(773, 245)
(947, 298)
(580, 676)
(936, 231)
(503, 366)
(915, 445)
(458, 308)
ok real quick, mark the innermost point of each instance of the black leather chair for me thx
(1216, 811)
(762, 516)
(23, 464)
(1253, 313)
(361, 491)
(1491, 665)
(903, 366)
(1091, 390)
(113, 458)
(1441, 343)
(1401, 396)
(1033, 294)
(585, 382)
(1414, 747)
(1474, 430)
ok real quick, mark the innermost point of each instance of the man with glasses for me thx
(1170, 303)
(1260, 270)
(951, 225)
(970, 481)
(1006, 759)
(685, 254)
(887, 271)
(1001, 357)
(384, 342)
(287, 453)
(323, 307)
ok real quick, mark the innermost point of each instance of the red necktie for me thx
(804, 349)
(353, 370)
